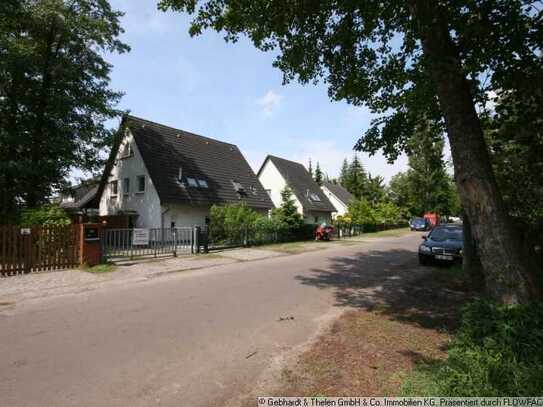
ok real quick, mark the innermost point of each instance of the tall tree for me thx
(310, 168)
(54, 93)
(375, 189)
(430, 187)
(319, 176)
(344, 172)
(356, 178)
(415, 59)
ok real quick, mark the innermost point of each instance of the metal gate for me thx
(141, 243)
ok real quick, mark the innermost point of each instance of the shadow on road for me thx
(392, 283)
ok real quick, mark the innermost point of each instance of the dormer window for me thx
(203, 183)
(314, 197)
(238, 187)
(192, 182)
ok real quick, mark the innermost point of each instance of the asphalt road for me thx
(187, 339)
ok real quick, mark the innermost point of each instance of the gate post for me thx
(90, 249)
(196, 239)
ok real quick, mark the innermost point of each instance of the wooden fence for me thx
(38, 248)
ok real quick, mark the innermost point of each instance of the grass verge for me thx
(100, 268)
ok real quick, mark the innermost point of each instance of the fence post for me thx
(196, 239)
(245, 236)
(174, 237)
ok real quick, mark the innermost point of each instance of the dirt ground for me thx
(388, 329)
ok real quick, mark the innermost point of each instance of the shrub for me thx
(229, 222)
(497, 352)
(44, 215)
(361, 212)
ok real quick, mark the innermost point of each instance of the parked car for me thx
(420, 224)
(444, 244)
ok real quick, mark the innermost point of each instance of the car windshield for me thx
(418, 221)
(446, 234)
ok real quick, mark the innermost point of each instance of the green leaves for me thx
(54, 94)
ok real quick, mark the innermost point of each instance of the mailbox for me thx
(91, 234)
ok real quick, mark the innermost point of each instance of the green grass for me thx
(384, 233)
(100, 268)
(496, 352)
(295, 247)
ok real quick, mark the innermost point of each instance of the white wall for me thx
(317, 217)
(146, 204)
(341, 208)
(184, 215)
(271, 179)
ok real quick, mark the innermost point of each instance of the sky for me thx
(231, 92)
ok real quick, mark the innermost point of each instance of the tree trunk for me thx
(507, 275)
(471, 261)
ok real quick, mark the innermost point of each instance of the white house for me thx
(277, 173)
(338, 196)
(164, 177)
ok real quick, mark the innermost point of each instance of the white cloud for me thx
(269, 102)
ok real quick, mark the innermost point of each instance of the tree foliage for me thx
(44, 215)
(54, 93)
(425, 186)
(410, 62)
(288, 213)
(319, 176)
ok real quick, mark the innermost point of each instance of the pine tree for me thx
(288, 213)
(356, 180)
(344, 173)
(319, 177)
(310, 169)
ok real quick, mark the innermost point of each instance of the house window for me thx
(141, 184)
(126, 186)
(203, 183)
(314, 197)
(192, 182)
(114, 188)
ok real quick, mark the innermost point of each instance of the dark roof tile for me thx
(301, 182)
(165, 150)
(341, 193)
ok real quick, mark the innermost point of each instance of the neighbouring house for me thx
(338, 196)
(162, 177)
(81, 201)
(277, 173)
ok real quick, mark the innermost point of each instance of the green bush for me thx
(44, 215)
(498, 351)
(229, 222)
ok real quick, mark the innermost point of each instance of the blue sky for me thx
(232, 93)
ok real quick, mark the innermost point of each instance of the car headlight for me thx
(425, 249)
(460, 252)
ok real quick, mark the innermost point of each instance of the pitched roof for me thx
(301, 182)
(339, 192)
(165, 149)
(84, 196)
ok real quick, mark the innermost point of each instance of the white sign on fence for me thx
(140, 237)
(25, 231)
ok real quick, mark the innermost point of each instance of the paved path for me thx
(184, 339)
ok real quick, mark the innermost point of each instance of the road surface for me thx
(195, 338)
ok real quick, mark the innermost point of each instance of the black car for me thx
(420, 224)
(444, 243)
